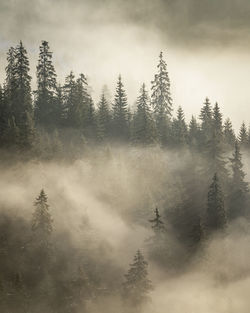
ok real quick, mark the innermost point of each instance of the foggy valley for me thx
(124, 156)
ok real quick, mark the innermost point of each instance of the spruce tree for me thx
(216, 218)
(243, 136)
(46, 88)
(120, 112)
(162, 100)
(144, 132)
(137, 285)
(206, 121)
(239, 188)
(229, 135)
(193, 133)
(42, 220)
(157, 224)
(22, 107)
(103, 119)
(179, 129)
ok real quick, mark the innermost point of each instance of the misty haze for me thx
(124, 156)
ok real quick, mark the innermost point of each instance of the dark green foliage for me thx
(216, 218)
(206, 121)
(193, 133)
(137, 285)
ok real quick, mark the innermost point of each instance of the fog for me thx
(106, 198)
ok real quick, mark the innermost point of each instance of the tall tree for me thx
(143, 129)
(103, 119)
(229, 135)
(46, 87)
(239, 188)
(206, 121)
(162, 100)
(193, 132)
(42, 220)
(179, 129)
(243, 136)
(216, 218)
(120, 112)
(137, 285)
(22, 103)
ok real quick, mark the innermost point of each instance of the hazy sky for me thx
(205, 43)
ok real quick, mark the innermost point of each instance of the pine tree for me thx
(22, 108)
(179, 129)
(42, 220)
(137, 285)
(46, 88)
(229, 135)
(243, 136)
(103, 119)
(206, 121)
(216, 218)
(193, 133)
(120, 112)
(144, 132)
(239, 188)
(18, 95)
(162, 100)
(215, 149)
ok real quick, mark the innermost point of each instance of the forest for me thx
(118, 207)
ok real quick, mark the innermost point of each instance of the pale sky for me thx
(205, 43)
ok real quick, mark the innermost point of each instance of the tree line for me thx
(29, 118)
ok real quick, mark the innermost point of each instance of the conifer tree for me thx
(22, 105)
(46, 87)
(243, 136)
(162, 100)
(179, 129)
(229, 135)
(216, 218)
(157, 224)
(137, 285)
(42, 220)
(206, 121)
(239, 188)
(120, 112)
(103, 119)
(143, 129)
(193, 132)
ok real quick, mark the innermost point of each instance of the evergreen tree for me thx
(179, 129)
(120, 112)
(103, 119)
(243, 136)
(143, 128)
(229, 135)
(216, 218)
(42, 220)
(18, 96)
(193, 132)
(46, 88)
(239, 188)
(22, 107)
(137, 285)
(206, 121)
(162, 100)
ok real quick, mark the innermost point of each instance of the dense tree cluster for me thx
(55, 110)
